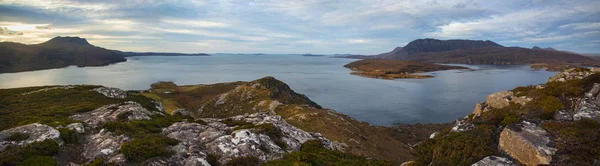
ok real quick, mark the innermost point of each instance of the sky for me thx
(301, 26)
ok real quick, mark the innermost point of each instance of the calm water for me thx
(450, 95)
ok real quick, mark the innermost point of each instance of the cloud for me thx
(306, 26)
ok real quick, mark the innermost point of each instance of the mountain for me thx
(547, 48)
(56, 53)
(479, 52)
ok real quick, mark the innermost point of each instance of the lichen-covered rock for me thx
(32, 133)
(499, 100)
(111, 92)
(77, 127)
(104, 144)
(571, 74)
(563, 115)
(588, 106)
(528, 143)
(128, 110)
(495, 161)
(461, 125)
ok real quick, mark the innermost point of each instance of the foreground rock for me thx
(528, 143)
(23, 135)
(588, 107)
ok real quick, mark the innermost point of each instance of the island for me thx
(394, 69)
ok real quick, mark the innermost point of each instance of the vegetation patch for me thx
(578, 142)
(96, 162)
(17, 137)
(68, 135)
(53, 107)
(244, 161)
(458, 148)
(30, 153)
(140, 149)
(313, 153)
(141, 128)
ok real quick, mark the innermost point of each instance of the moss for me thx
(68, 135)
(313, 153)
(578, 142)
(244, 161)
(39, 161)
(140, 149)
(17, 137)
(96, 162)
(462, 148)
(16, 155)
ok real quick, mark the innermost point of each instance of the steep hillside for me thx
(56, 53)
(271, 96)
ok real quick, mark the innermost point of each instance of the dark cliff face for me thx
(434, 45)
(55, 53)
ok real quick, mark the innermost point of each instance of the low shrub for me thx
(68, 135)
(140, 149)
(578, 142)
(458, 148)
(244, 161)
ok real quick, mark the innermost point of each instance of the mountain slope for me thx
(56, 53)
(480, 52)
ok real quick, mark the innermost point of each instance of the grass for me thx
(37, 153)
(313, 153)
(53, 107)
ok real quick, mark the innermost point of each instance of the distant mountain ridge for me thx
(479, 52)
(60, 52)
(56, 53)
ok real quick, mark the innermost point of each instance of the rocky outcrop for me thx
(495, 161)
(111, 92)
(128, 110)
(588, 106)
(528, 143)
(224, 141)
(27, 134)
(104, 144)
(499, 100)
(571, 74)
